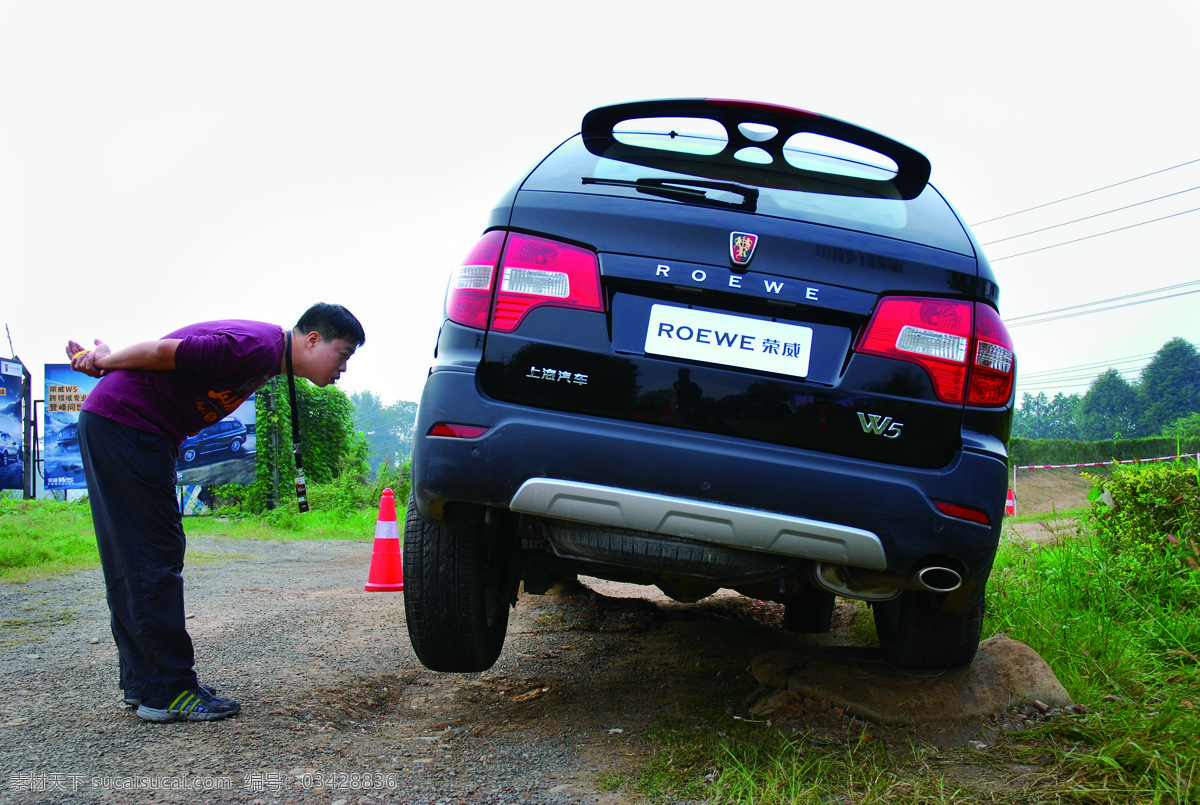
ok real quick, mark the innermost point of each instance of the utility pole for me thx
(28, 433)
(273, 500)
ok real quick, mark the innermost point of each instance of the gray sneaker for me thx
(196, 704)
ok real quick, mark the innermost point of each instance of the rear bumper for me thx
(707, 487)
(704, 521)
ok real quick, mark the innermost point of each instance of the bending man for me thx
(150, 397)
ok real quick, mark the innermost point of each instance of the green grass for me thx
(40, 538)
(1122, 633)
(862, 770)
(1042, 517)
(43, 538)
(1125, 627)
(286, 524)
(862, 628)
(1106, 624)
(710, 754)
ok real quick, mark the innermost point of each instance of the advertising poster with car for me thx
(222, 453)
(66, 390)
(12, 451)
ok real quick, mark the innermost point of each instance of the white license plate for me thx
(768, 346)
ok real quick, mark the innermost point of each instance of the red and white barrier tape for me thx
(1103, 463)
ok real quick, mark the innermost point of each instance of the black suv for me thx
(712, 343)
(226, 435)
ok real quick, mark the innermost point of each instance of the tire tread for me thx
(445, 595)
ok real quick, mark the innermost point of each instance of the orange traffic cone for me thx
(387, 571)
(1010, 505)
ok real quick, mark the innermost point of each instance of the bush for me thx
(348, 494)
(1149, 510)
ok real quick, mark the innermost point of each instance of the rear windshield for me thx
(927, 219)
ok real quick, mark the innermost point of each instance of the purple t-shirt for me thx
(218, 364)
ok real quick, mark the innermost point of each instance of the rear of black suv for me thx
(711, 344)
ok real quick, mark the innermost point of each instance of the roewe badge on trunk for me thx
(741, 247)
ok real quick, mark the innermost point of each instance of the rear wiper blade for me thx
(690, 190)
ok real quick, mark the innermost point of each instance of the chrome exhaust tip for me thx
(937, 579)
(875, 585)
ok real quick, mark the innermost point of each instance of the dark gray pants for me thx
(131, 487)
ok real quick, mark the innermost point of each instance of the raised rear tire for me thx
(921, 629)
(459, 581)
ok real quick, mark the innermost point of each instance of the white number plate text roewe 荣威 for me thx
(767, 346)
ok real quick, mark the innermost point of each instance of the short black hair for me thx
(332, 322)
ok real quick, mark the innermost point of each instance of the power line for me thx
(1059, 374)
(1084, 372)
(1102, 309)
(1065, 388)
(1011, 321)
(1098, 234)
(1089, 217)
(1130, 372)
(1087, 192)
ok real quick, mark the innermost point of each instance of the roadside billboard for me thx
(12, 450)
(66, 390)
(222, 453)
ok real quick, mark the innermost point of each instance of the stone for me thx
(774, 667)
(781, 701)
(1004, 674)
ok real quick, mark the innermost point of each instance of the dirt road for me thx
(335, 705)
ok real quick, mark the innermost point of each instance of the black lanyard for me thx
(301, 487)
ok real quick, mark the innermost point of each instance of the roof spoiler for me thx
(911, 176)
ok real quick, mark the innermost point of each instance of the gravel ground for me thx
(336, 706)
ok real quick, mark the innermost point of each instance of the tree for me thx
(1042, 418)
(1170, 386)
(1027, 419)
(388, 429)
(330, 442)
(1186, 427)
(1107, 410)
(1062, 413)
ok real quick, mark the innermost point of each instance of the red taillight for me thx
(454, 431)
(934, 333)
(961, 512)
(537, 272)
(469, 295)
(954, 341)
(994, 369)
(534, 272)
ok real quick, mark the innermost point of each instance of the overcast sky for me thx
(166, 162)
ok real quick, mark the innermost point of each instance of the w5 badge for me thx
(880, 426)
